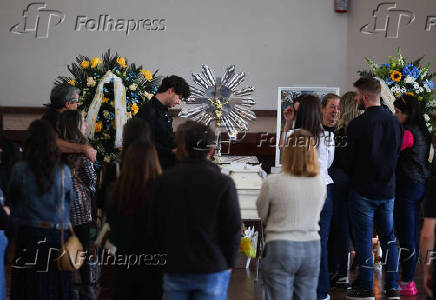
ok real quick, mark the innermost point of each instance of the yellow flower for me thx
(122, 62)
(105, 114)
(410, 94)
(396, 76)
(147, 74)
(104, 99)
(134, 108)
(84, 64)
(98, 126)
(95, 61)
(72, 82)
(107, 159)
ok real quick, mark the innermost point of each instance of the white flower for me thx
(409, 79)
(426, 118)
(431, 104)
(421, 90)
(416, 85)
(403, 90)
(396, 89)
(133, 87)
(107, 159)
(91, 82)
(427, 88)
(148, 95)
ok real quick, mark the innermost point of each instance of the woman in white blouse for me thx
(309, 117)
(289, 204)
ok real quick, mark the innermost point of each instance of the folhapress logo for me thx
(388, 19)
(37, 18)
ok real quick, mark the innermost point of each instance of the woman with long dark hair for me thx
(40, 192)
(309, 118)
(412, 173)
(71, 127)
(128, 216)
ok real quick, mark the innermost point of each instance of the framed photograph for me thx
(286, 96)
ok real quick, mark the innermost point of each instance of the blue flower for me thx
(385, 65)
(430, 84)
(389, 81)
(411, 70)
(132, 75)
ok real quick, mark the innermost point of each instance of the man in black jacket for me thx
(197, 220)
(155, 112)
(374, 141)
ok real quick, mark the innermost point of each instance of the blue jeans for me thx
(208, 286)
(364, 212)
(324, 230)
(407, 200)
(339, 239)
(290, 269)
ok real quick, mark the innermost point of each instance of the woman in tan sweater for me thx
(289, 204)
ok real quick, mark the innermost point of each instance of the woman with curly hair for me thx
(339, 239)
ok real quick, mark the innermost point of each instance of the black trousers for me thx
(82, 232)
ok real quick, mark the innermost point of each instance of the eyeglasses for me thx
(74, 100)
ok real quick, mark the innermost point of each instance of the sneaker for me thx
(408, 289)
(392, 294)
(360, 294)
(340, 282)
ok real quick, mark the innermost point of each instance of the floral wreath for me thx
(408, 78)
(138, 86)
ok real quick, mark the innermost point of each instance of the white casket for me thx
(248, 181)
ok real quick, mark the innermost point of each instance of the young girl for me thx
(71, 127)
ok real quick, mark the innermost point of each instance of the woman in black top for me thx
(339, 239)
(128, 216)
(411, 174)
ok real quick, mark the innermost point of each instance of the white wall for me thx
(413, 39)
(277, 43)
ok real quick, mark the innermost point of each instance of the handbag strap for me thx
(63, 212)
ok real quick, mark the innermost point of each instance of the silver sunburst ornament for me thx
(217, 100)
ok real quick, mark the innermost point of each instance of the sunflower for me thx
(396, 76)
(410, 94)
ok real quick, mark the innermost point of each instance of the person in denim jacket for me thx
(40, 192)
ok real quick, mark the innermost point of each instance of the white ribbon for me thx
(120, 107)
(386, 94)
